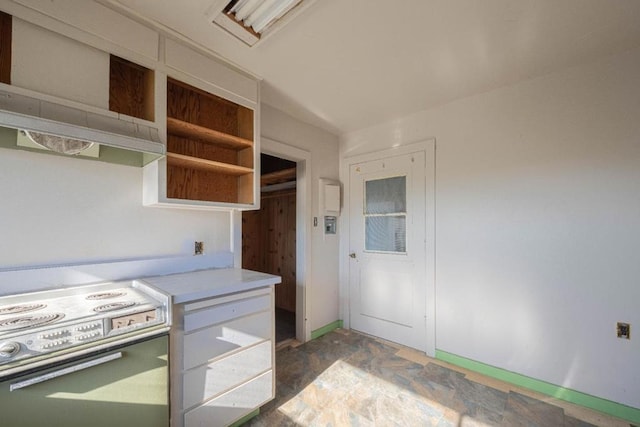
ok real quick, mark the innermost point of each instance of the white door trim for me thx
(303, 229)
(428, 146)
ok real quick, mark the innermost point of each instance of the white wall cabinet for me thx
(222, 358)
(49, 63)
(58, 85)
(211, 136)
(222, 80)
(212, 147)
(211, 115)
(112, 32)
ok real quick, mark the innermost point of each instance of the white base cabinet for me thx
(222, 358)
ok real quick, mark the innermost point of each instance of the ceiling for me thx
(344, 65)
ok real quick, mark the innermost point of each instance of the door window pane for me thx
(386, 196)
(385, 213)
(386, 233)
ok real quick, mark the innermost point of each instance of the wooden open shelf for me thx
(180, 160)
(210, 148)
(190, 130)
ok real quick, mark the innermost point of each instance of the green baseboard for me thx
(246, 418)
(326, 329)
(582, 399)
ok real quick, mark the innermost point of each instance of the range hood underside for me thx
(112, 133)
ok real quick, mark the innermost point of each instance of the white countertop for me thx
(43, 277)
(187, 287)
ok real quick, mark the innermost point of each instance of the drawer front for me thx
(232, 405)
(207, 381)
(224, 312)
(211, 302)
(209, 343)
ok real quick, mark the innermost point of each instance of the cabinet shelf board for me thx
(181, 160)
(190, 130)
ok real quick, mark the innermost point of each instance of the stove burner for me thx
(21, 308)
(113, 306)
(30, 321)
(105, 295)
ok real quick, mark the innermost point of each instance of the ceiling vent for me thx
(254, 20)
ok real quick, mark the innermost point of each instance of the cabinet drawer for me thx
(232, 405)
(214, 341)
(207, 381)
(223, 312)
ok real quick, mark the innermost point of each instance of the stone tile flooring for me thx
(349, 379)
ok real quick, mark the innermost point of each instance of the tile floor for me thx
(349, 379)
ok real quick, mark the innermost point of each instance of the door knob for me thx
(352, 255)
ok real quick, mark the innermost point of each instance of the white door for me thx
(387, 266)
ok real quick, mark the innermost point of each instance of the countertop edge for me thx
(211, 283)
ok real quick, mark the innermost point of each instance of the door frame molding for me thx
(428, 146)
(303, 228)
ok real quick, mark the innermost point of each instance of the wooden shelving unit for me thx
(210, 147)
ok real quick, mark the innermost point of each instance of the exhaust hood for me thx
(66, 130)
(58, 144)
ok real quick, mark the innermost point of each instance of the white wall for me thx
(538, 224)
(323, 146)
(65, 210)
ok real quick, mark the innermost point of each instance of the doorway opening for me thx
(269, 238)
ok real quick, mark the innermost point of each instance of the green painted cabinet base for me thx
(130, 391)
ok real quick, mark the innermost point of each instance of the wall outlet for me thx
(198, 248)
(624, 330)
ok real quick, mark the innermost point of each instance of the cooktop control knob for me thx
(9, 349)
